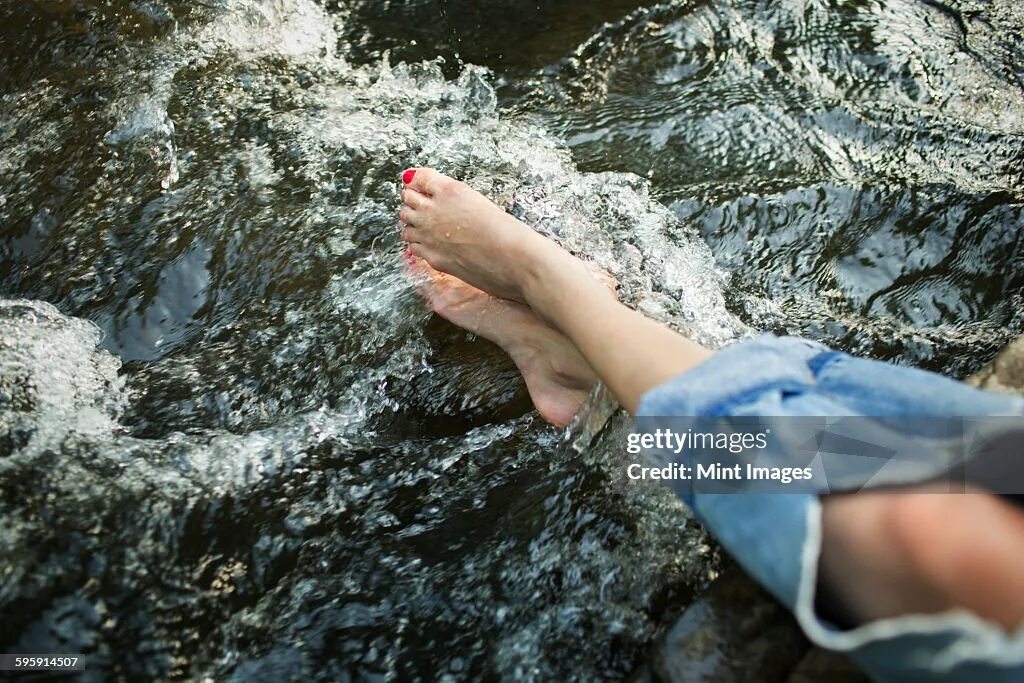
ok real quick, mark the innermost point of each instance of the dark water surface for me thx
(232, 441)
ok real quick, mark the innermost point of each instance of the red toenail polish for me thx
(408, 253)
(408, 176)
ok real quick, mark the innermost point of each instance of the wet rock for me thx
(821, 666)
(1005, 374)
(734, 632)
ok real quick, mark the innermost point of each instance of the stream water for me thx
(234, 444)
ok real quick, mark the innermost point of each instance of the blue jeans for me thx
(777, 537)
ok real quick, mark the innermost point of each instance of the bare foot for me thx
(461, 232)
(556, 375)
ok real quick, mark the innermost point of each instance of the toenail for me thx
(408, 176)
(408, 253)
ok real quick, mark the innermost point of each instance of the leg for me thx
(884, 554)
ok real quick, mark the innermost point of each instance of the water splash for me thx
(305, 473)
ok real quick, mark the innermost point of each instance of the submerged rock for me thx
(733, 632)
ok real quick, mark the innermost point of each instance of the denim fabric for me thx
(777, 537)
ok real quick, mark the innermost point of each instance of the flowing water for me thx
(234, 444)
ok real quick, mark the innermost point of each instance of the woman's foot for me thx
(557, 377)
(461, 232)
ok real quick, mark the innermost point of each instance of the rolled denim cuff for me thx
(752, 370)
(780, 376)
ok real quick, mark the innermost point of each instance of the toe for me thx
(407, 215)
(424, 278)
(410, 235)
(413, 199)
(425, 180)
(421, 251)
(418, 269)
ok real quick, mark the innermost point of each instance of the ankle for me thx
(548, 273)
(535, 254)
